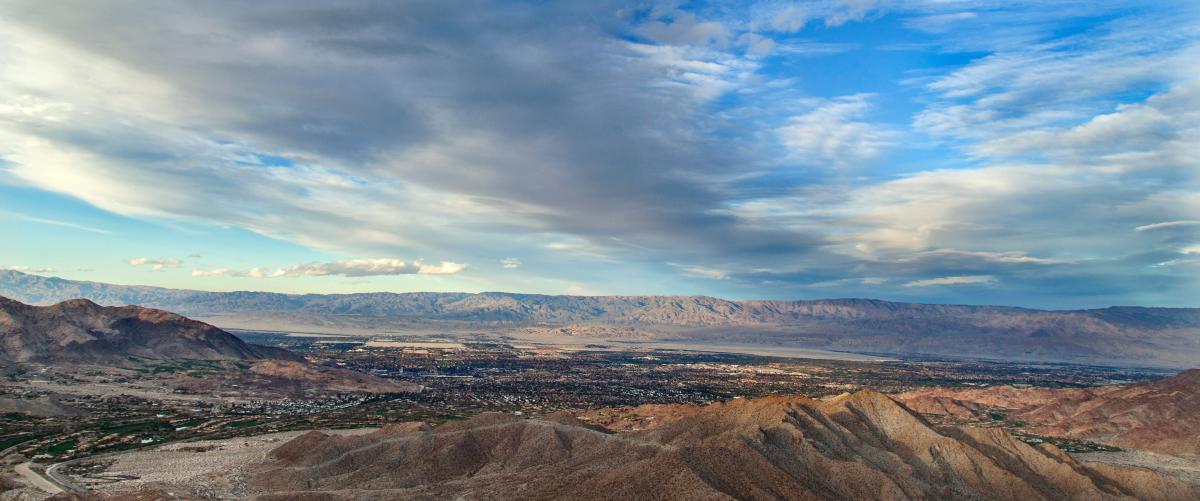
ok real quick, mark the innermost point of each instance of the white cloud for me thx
(1166, 224)
(1011, 257)
(852, 10)
(257, 272)
(812, 48)
(347, 267)
(1024, 85)
(55, 222)
(702, 272)
(155, 264)
(958, 280)
(832, 133)
(370, 267)
(848, 281)
(789, 20)
(220, 272)
(510, 263)
(702, 72)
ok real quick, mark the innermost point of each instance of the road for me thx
(36, 480)
(53, 473)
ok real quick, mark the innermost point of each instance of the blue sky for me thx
(1040, 154)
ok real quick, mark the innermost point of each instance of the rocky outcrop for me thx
(79, 330)
(1161, 416)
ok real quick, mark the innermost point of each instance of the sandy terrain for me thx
(1186, 469)
(144, 390)
(201, 468)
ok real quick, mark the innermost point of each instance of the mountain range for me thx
(1138, 336)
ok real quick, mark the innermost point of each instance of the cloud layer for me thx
(346, 268)
(1054, 162)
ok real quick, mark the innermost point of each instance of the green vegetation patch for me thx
(17, 416)
(62, 447)
(11, 440)
(144, 426)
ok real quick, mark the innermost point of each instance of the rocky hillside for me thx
(860, 446)
(82, 331)
(1161, 416)
(1167, 337)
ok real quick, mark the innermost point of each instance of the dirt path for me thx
(35, 479)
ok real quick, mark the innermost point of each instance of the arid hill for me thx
(1165, 337)
(860, 446)
(1161, 416)
(82, 331)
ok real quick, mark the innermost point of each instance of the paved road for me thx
(37, 480)
(53, 472)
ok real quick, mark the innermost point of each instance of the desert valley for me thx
(542, 397)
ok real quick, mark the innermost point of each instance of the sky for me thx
(1040, 154)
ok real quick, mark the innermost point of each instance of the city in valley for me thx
(102, 410)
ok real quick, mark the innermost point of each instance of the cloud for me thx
(370, 267)
(257, 272)
(510, 263)
(702, 272)
(155, 264)
(789, 20)
(832, 133)
(996, 257)
(939, 23)
(869, 281)
(513, 134)
(1166, 224)
(55, 222)
(28, 269)
(599, 142)
(220, 272)
(852, 10)
(794, 47)
(347, 267)
(961, 280)
(1031, 80)
(684, 28)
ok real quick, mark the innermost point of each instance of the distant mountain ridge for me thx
(537, 308)
(1168, 337)
(79, 330)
